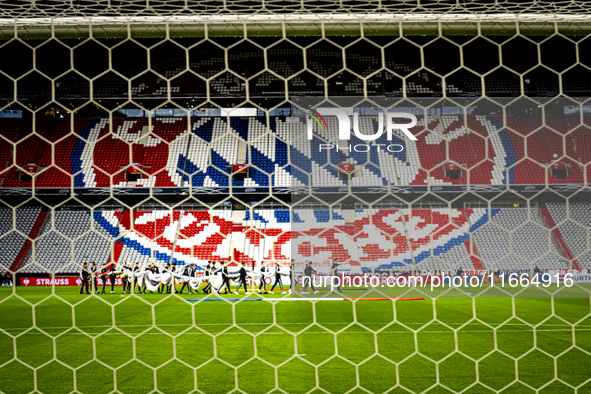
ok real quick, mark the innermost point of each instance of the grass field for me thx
(138, 344)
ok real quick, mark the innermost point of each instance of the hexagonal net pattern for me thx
(178, 147)
(169, 9)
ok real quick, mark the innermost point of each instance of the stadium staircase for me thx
(471, 247)
(543, 139)
(241, 155)
(42, 146)
(119, 244)
(117, 249)
(139, 150)
(28, 243)
(176, 235)
(474, 254)
(125, 221)
(558, 237)
(138, 155)
(239, 226)
(349, 216)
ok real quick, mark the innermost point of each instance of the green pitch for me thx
(139, 344)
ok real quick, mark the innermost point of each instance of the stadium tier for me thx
(506, 239)
(172, 152)
(185, 84)
(221, 67)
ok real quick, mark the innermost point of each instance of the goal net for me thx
(424, 165)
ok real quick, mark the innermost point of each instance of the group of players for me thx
(164, 279)
(5, 279)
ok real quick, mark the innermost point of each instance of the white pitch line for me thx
(308, 299)
(313, 332)
(262, 324)
(278, 324)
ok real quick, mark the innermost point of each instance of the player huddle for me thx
(152, 277)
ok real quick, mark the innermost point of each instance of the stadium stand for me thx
(435, 239)
(499, 147)
(167, 154)
(286, 61)
(70, 239)
(515, 241)
(16, 227)
(574, 230)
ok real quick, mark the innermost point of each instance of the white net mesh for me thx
(124, 150)
(152, 8)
